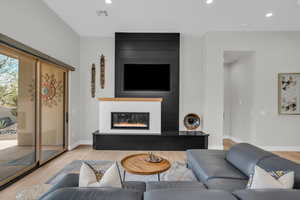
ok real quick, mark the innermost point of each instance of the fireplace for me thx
(130, 120)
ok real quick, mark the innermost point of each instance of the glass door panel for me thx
(17, 113)
(52, 88)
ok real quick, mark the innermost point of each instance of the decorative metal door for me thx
(53, 111)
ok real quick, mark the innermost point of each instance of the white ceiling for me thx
(191, 17)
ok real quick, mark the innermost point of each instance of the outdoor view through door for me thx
(17, 114)
(32, 112)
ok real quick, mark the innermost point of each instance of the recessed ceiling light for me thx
(209, 1)
(102, 13)
(108, 1)
(269, 14)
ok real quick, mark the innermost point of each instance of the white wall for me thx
(213, 91)
(90, 52)
(191, 79)
(227, 101)
(275, 52)
(34, 24)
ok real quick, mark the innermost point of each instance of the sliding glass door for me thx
(33, 112)
(53, 111)
(17, 113)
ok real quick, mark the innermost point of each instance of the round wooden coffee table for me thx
(137, 164)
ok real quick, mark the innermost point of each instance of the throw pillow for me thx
(88, 177)
(262, 179)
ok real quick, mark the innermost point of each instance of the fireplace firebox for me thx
(130, 120)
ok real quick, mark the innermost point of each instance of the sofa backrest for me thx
(267, 194)
(278, 163)
(93, 194)
(245, 156)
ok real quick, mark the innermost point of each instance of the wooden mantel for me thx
(131, 99)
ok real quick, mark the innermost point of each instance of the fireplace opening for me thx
(130, 120)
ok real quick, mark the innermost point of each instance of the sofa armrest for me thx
(69, 180)
(245, 156)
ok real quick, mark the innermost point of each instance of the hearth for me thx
(130, 120)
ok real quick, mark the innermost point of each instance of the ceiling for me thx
(193, 17)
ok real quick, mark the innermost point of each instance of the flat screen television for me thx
(147, 77)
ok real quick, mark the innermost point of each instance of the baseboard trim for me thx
(73, 146)
(86, 142)
(236, 140)
(80, 142)
(267, 148)
(281, 148)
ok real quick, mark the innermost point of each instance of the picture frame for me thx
(289, 93)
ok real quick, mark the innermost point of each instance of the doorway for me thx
(239, 88)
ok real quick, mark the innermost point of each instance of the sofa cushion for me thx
(188, 195)
(278, 163)
(207, 164)
(186, 185)
(245, 156)
(226, 184)
(93, 194)
(267, 194)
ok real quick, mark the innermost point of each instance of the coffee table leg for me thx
(124, 175)
(158, 176)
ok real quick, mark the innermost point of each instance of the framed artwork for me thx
(289, 93)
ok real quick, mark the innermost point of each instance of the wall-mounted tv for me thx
(147, 77)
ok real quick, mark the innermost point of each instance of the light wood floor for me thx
(42, 174)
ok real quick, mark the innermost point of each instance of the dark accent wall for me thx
(151, 48)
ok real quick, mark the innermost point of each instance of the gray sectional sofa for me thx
(222, 175)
